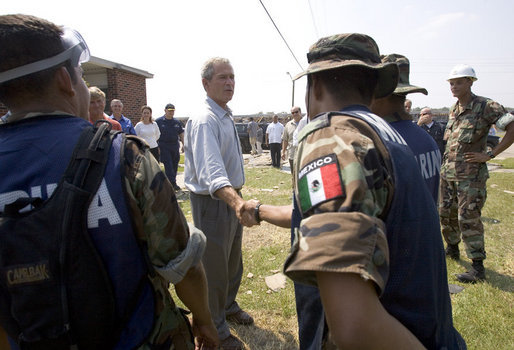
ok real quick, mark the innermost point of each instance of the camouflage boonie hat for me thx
(352, 49)
(403, 87)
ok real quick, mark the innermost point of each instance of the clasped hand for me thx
(246, 213)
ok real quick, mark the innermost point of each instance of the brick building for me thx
(117, 81)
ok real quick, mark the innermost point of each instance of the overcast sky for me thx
(172, 39)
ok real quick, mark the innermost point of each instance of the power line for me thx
(272, 21)
(313, 21)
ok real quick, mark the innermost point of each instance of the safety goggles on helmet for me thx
(75, 50)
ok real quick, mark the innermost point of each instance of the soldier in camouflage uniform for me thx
(464, 170)
(149, 214)
(366, 222)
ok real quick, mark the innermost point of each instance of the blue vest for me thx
(425, 151)
(34, 154)
(416, 293)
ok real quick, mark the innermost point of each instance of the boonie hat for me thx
(403, 87)
(170, 107)
(352, 49)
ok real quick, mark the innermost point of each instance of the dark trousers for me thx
(155, 152)
(275, 149)
(170, 156)
(309, 310)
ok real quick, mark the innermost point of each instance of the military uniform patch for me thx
(319, 181)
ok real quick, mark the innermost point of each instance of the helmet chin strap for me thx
(307, 102)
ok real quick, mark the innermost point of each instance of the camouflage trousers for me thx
(460, 208)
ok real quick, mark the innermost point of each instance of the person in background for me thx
(49, 105)
(274, 141)
(172, 135)
(288, 146)
(258, 139)
(464, 170)
(433, 128)
(117, 114)
(252, 129)
(408, 105)
(214, 175)
(148, 130)
(97, 107)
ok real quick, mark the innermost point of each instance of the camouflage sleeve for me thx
(343, 187)
(156, 215)
(492, 112)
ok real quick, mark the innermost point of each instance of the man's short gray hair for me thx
(116, 100)
(208, 67)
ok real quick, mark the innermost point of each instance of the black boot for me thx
(475, 274)
(452, 251)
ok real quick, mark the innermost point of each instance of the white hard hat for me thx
(462, 71)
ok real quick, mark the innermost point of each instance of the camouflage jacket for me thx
(160, 223)
(467, 131)
(349, 200)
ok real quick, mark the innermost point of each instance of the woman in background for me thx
(148, 130)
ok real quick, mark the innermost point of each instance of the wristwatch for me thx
(490, 154)
(256, 213)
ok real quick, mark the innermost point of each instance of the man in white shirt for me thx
(274, 141)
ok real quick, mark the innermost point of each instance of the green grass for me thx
(483, 313)
(505, 163)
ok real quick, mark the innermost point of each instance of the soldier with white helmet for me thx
(464, 170)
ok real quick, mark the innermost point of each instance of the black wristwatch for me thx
(490, 154)
(256, 213)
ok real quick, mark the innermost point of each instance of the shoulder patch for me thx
(319, 181)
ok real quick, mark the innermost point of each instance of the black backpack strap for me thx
(90, 157)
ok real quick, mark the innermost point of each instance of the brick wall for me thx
(128, 87)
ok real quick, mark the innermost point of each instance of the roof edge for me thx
(109, 64)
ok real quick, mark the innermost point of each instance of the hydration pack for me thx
(55, 292)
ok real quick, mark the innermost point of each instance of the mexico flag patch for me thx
(319, 181)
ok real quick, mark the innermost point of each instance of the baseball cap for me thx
(352, 49)
(170, 107)
(75, 49)
(404, 87)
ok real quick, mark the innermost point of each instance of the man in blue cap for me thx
(172, 134)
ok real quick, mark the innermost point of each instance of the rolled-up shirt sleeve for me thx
(175, 270)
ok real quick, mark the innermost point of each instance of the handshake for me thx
(248, 213)
(252, 212)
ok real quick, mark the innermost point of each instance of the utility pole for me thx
(292, 97)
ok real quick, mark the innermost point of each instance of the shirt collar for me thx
(355, 108)
(216, 109)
